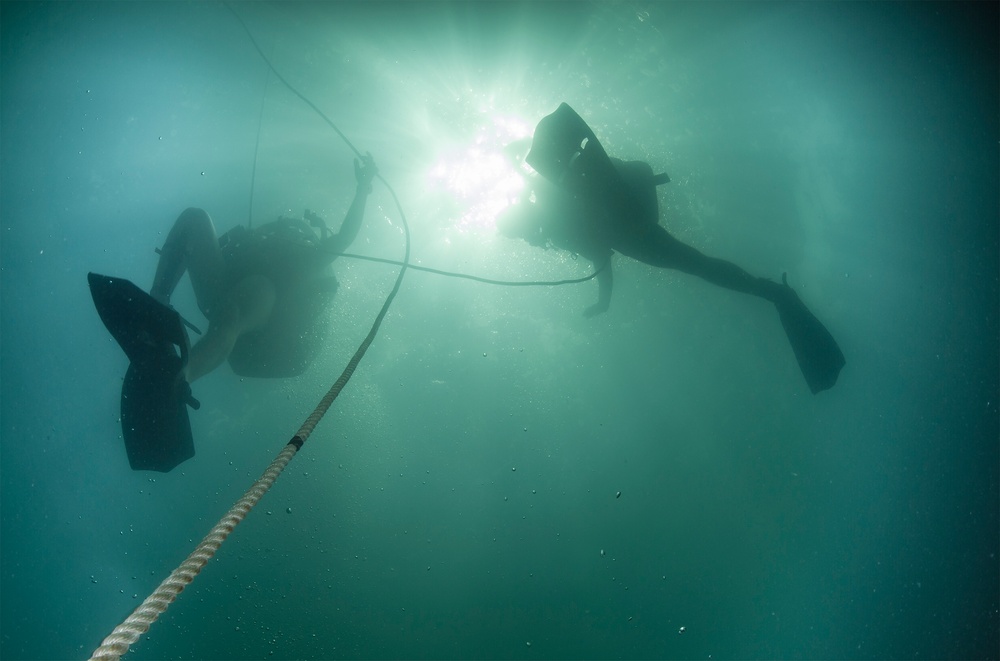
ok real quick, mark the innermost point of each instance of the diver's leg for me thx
(817, 353)
(722, 273)
(661, 249)
(246, 307)
(191, 245)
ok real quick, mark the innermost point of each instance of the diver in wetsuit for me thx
(555, 218)
(593, 205)
(262, 290)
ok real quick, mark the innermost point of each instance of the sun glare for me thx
(481, 177)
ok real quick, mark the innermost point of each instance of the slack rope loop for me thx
(504, 283)
(138, 623)
(324, 404)
(359, 155)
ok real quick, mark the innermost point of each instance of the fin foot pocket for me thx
(820, 358)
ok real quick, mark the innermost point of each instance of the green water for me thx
(461, 499)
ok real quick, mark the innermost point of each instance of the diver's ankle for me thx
(160, 296)
(769, 289)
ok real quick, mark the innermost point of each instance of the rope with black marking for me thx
(138, 623)
(135, 625)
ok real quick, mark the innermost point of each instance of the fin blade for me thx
(820, 358)
(154, 400)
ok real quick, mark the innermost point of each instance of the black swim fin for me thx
(155, 398)
(817, 353)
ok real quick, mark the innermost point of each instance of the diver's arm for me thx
(605, 281)
(364, 170)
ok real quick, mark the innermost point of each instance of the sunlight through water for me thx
(481, 177)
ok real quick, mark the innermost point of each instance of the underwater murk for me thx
(510, 472)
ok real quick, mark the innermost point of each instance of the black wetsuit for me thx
(628, 223)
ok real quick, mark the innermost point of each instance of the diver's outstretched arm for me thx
(365, 170)
(605, 282)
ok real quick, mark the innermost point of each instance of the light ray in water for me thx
(479, 177)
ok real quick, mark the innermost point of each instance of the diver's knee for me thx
(195, 221)
(193, 214)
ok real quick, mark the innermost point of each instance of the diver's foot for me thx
(773, 291)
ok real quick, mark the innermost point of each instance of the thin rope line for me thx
(292, 89)
(358, 153)
(451, 274)
(138, 623)
(256, 148)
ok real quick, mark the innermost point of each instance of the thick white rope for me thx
(138, 623)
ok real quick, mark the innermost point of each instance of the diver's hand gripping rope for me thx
(360, 155)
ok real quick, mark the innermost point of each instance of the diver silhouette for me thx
(593, 205)
(263, 290)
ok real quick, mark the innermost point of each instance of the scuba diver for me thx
(263, 291)
(593, 205)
